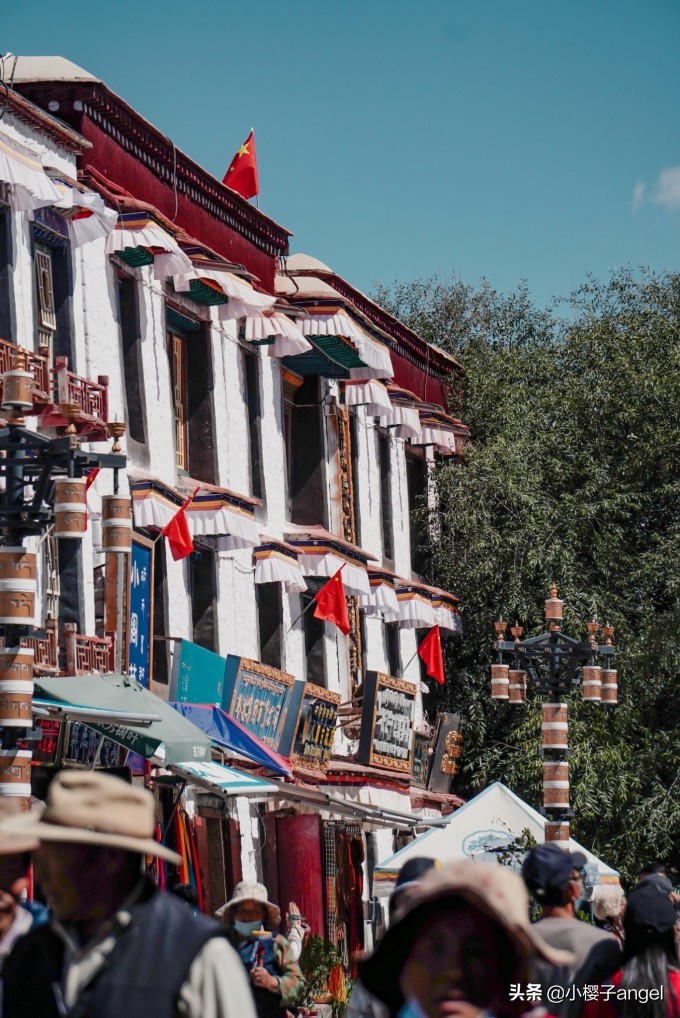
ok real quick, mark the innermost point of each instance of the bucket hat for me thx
(91, 808)
(495, 890)
(250, 890)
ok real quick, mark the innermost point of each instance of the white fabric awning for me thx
(94, 220)
(225, 517)
(276, 562)
(321, 554)
(22, 169)
(406, 422)
(135, 229)
(374, 354)
(154, 504)
(415, 607)
(382, 600)
(372, 394)
(243, 299)
(288, 338)
(446, 613)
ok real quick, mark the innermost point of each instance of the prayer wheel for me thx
(16, 664)
(18, 586)
(610, 686)
(518, 686)
(554, 726)
(554, 608)
(17, 391)
(15, 772)
(557, 830)
(116, 524)
(555, 785)
(500, 682)
(592, 682)
(70, 507)
(15, 704)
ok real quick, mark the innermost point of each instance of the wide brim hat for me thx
(495, 890)
(250, 890)
(91, 808)
(12, 806)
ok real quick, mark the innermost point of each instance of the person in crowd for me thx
(297, 930)
(17, 913)
(609, 905)
(188, 894)
(656, 871)
(459, 943)
(652, 869)
(115, 945)
(650, 961)
(251, 921)
(553, 878)
(363, 1004)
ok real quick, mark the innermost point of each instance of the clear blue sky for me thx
(496, 138)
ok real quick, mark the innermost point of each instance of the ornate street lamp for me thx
(554, 664)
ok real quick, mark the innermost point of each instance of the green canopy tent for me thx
(154, 728)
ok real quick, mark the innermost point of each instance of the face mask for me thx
(247, 929)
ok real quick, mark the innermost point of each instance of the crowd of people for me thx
(460, 941)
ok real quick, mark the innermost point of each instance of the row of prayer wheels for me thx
(508, 684)
(600, 685)
(16, 694)
(70, 515)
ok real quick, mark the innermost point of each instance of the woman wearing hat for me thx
(648, 983)
(275, 975)
(609, 905)
(460, 939)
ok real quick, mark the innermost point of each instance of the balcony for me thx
(60, 397)
(80, 655)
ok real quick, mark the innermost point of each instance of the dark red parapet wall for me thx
(426, 387)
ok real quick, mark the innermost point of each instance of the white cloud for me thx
(667, 189)
(638, 196)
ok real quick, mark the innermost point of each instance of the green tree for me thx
(572, 475)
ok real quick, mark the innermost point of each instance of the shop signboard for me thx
(140, 643)
(83, 743)
(422, 745)
(257, 696)
(386, 738)
(309, 729)
(46, 750)
(448, 745)
(197, 674)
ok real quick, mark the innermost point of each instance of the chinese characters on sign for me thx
(140, 612)
(308, 733)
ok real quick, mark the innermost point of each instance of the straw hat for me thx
(249, 890)
(12, 806)
(91, 808)
(495, 890)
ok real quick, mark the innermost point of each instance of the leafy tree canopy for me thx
(573, 475)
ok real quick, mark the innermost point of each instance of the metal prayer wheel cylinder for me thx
(555, 728)
(499, 682)
(610, 686)
(15, 772)
(70, 507)
(554, 607)
(557, 830)
(16, 664)
(15, 704)
(17, 564)
(116, 524)
(592, 682)
(17, 392)
(518, 686)
(555, 785)
(18, 586)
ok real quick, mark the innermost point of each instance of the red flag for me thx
(242, 173)
(331, 605)
(430, 651)
(89, 481)
(177, 532)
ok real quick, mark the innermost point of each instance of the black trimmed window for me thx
(385, 468)
(251, 370)
(270, 623)
(203, 594)
(417, 483)
(308, 458)
(392, 637)
(128, 318)
(192, 386)
(315, 631)
(53, 286)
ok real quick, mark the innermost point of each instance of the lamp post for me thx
(554, 665)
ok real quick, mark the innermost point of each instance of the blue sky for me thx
(508, 139)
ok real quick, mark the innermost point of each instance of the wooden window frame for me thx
(177, 354)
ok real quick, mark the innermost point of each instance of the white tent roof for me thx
(479, 830)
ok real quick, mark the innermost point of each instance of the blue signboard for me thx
(140, 613)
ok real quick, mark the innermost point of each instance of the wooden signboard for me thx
(257, 696)
(386, 738)
(309, 729)
(421, 758)
(448, 745)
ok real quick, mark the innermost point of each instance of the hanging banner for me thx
(141, 610)
(386, 738)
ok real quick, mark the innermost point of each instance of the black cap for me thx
(660, 880)
(414, 869)
(547, 868)
(649, 908)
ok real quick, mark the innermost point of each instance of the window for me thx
(192, 397)
(391, 632)
(307, 473)
(5, 267)
(384, 463)
(160, 627)
(47, 316)
(354, 434)
(128, 313)
(203, 593)
(252, 379)
(69, 557)
(270, 623)
(314, 634)
(417, 482)
(53, 289)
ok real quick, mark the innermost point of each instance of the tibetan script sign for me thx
(448, 745)
(386, 738)
(308, 733)
(257, 696)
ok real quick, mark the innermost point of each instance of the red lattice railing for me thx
(87, 654)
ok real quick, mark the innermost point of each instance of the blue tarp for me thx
(231, 735)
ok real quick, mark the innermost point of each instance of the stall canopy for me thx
(217, 777)
(171, 738)
(230, 735)
(480, 830)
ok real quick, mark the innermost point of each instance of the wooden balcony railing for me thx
(87, 654)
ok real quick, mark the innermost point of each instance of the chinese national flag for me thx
(178, 534)
(331, 605)
(242, 173)
(430, 651)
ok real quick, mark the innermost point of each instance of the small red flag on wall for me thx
(177, 532)
(430, 651)
(331, 605)
(242, 173)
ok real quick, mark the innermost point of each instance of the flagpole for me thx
(406, 666)
(300, 616)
